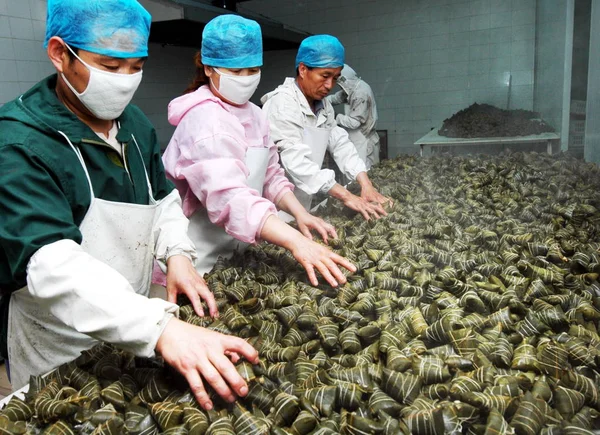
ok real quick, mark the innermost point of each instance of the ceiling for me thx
(187, 31)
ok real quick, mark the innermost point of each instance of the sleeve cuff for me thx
(258, 239)
(328, 186)
(281, 194)
(353, 172)
(186, 251)
(161, 328)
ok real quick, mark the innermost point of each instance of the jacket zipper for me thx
(123, 156)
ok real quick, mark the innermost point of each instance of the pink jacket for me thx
(206, 161)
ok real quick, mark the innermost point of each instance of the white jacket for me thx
(362, 111)
(359, 96)
(289, 113)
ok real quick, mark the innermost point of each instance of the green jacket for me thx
(43, 189)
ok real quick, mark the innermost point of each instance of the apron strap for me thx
(152, 200)
(80, 157)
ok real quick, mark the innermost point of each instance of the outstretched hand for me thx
(307, 223)
(202, 355)
(313, 256)
(182, 278)
(366, 208)
(370, 194)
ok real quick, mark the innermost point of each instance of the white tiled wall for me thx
(424, 59)
(24, 62)
(592, 129)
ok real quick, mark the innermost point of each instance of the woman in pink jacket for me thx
(225, 166)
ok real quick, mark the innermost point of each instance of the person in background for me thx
(226, 167)
(85, 207)
(303, 126)
(360, 118)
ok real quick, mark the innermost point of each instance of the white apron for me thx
(317, 139)
(118, 234)
(213, 241)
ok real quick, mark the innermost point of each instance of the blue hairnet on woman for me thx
(230, 41)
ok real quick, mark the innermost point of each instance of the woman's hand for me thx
(307, 223)
(183, 278)
(201, 354)
(313, 256)
(309, 254)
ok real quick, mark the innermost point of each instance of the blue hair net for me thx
(321, 51)
(231, 41)
(115, 28)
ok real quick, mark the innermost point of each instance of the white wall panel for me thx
(592, 129)
(552, 78)
(423, 59)
(440, 54)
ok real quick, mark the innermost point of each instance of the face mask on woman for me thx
(107, 93)
(237, 89)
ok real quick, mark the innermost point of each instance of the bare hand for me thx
(311, 255)
(364, 207)
(307, 222)
(182, 277)
(370, 194)
(199, 353)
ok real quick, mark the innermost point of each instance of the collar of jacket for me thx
(300, 97)
(242, 112)
(321, 106)
(47, 113)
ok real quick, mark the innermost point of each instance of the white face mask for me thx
(237, 89)
(107, 94)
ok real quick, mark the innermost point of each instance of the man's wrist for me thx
(363, 180)
(340, 192)
(178, 256)
(162, 326)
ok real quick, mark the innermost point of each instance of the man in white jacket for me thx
(303, 126)
(86, 207)
(360, 118)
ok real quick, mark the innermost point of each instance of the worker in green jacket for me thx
(86, 208)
